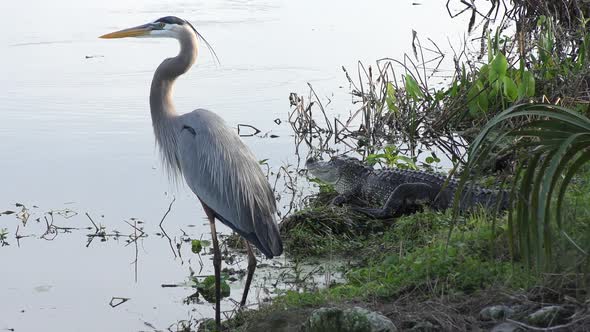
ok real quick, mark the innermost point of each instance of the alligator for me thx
(398, 191)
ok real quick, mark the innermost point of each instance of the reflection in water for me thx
(164, 234)
(272, 278)
(43, 43)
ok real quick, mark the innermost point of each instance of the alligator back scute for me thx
(475, 196)
(380, 183)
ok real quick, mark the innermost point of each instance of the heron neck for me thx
(161, 104)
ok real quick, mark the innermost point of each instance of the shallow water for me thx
(75, 133)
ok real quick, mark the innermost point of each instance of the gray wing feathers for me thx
(224, 174)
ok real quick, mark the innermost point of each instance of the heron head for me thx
(165, 27)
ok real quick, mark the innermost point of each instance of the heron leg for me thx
(216, 265)
(251, 268)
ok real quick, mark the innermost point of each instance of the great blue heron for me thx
(217, 166)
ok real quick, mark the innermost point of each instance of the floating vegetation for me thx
(206, 288)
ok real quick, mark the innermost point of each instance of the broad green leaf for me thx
(484, 72)
(413, 89)
(499, 68)
(477, 99)
(527, 85)
(494, 91)
(196, 246)
(390, 98)
(510, 89)
(483, 101)
(207, 289)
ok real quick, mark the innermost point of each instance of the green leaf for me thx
(484, 72)
(580, 160)
(454, 89)
(408, 161)
(477, 99)
(374, 158)
(391, 150)
(391, 99)
(413, 89)
(324, 188)
(207, 289)
(490, 50)
(559, 149)
(510, 89)
(431, 160)
(527, 85)
(196, 246)
(499, 68)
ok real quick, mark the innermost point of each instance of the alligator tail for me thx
(475, 197)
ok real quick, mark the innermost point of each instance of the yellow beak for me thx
(137, 31)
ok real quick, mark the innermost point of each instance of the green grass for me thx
(414, 255)
(417, 255)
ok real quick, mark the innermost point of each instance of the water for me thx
(75, 133)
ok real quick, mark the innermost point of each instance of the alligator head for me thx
(342, 172)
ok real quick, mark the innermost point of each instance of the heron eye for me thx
(162, 25)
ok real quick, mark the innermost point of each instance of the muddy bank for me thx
(490, 310)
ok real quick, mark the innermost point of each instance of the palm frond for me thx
(555, 144)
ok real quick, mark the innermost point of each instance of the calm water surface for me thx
(75, 133)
